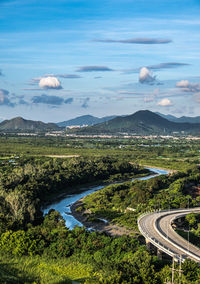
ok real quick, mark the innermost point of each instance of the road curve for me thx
(156, 228)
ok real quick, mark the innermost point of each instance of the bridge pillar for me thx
(148, 244)
(159, 254)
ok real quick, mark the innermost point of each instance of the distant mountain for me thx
(84, 120)
(21, 124)
(167, 116)
(143, 122)
(181, 119)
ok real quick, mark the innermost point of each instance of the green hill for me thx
(21, 124)
(84, 120)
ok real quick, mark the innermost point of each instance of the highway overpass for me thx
(157, 230)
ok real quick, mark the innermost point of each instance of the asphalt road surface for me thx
(156, 228)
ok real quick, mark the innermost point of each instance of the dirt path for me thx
(159, 168)
(110, 229)
(62, 156)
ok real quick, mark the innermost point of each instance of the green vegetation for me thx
(62, 255)
(20, 124)
(166, 153)
(25, 186)
(191, 227)
(38, 249)
(161, 192)
(59, 255)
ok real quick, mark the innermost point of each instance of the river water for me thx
(63, 206)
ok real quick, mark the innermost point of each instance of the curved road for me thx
(156, 228)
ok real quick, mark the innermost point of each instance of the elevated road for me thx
(156, 228)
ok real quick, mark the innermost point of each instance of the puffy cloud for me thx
(4, 98)
(50, 83)
(165, 102)
(146, 76)
(94, 69)
(183, 84)
(136, 41)
(45, 99)
(69, 101)
(35, 81)
(187, 86)
(85, 103)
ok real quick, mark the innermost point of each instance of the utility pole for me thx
(188, 225)
(173, 271)
(180, 271)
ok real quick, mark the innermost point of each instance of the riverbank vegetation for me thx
(123, 203)
(27, 184)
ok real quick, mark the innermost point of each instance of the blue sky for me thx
(65, 58)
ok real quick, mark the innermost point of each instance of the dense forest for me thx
(27, 183)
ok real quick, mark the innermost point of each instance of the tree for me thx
(191, 270)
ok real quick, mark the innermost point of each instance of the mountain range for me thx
(181, 119)
(85, 120)
(142, 122)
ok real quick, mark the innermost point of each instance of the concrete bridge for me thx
(157, 230)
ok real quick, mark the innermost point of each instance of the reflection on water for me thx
(63, 206)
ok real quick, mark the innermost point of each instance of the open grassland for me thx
(37, 269)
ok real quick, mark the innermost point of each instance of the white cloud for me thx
(146, 76)
(164, 102)
(50, 83)
(182, 84)
(187, 86)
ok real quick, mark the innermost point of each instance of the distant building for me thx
(76, 126)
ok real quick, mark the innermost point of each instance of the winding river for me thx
(63, 206)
